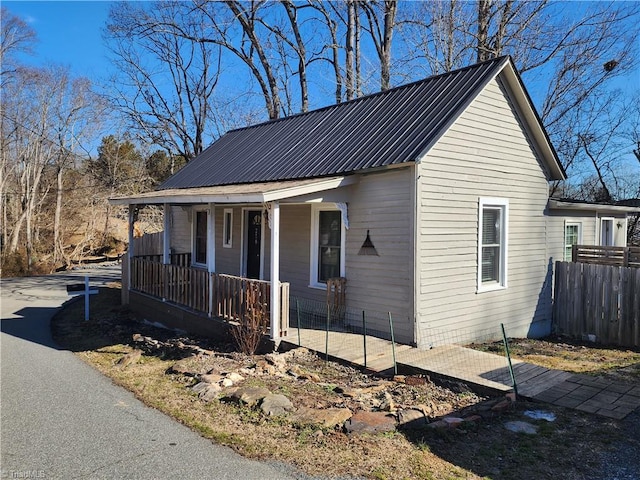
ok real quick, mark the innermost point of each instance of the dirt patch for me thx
(574, 446)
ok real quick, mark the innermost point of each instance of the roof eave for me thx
(591, 207)
(217, 194)
(533, 121)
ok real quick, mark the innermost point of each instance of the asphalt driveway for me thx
(62, 419)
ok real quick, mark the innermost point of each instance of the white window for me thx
(492, 243)
(327, 245)
(606, 232)
(200, 229)
(227, 228)
(572, 236)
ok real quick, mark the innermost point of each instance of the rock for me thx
(200, 387)
(521, 427)
(370, 422)
(438, 424)
(212, 392)
(276, 405)
(277, 360)
(501, 406)
(415, 380)
(328, 417)
(453, 422)
(210, 378)
(388, 404)
(399, 378)
(425, 409)
(130, 358)
(473, 419)
(183, 367)
(297, 372)
(226, 382)
(264, 367)
(411, 418)
(235, 377)
(248, 395)
(541, 415)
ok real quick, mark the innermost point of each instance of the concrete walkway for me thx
(478, 369)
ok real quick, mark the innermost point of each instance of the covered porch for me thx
(206, 264)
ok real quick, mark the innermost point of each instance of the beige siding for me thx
(180, 229)
(382, 203)
(484, 154)
(228, 259)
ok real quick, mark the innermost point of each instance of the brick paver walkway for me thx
(594, 395)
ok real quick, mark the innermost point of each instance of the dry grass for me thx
(569, 448)
(562, 353)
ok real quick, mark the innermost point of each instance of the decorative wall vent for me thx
(367, 247)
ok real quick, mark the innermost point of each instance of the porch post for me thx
(126, 280)
(211, 251)
(166, 235)
(275, 271)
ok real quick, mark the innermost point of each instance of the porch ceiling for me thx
(241, 193)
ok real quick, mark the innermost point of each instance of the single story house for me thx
(429, 201)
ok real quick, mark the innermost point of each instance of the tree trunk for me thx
(484, 10)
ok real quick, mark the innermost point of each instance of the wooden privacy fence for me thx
(619, 256)
(598, 300)
(223, 296)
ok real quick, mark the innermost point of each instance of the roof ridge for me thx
(372, 95)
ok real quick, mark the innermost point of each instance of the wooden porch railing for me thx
(617, 256)
(223, 296)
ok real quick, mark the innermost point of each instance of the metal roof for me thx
(391, 127)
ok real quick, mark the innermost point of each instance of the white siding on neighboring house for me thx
(484, 154)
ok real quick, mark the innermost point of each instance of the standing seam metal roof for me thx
(386, 128)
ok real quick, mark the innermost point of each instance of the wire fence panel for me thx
(345, 333)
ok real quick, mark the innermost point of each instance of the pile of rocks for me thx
(366, 405)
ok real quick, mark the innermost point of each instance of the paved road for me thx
(62, 419)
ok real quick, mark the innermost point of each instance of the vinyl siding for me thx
(228, 259)
(382, 203)
(180, 230)
(485, 153)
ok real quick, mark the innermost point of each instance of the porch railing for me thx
(617, 256)
(227, 297)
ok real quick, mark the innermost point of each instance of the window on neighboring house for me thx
(227, 228)
(327, 252)
(572, 236)
(492, 244)
(200, 237)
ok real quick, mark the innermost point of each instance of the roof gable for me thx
(388, 128)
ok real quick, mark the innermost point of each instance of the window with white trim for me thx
(327, 245)
(572, 236)
(200, 228)
(492, 243)
(227, 228)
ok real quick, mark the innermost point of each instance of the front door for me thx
(254, 240)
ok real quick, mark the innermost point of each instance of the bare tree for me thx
(167, 73)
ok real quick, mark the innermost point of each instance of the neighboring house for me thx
(574, 222)
(445, 180)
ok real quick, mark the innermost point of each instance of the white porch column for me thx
(166, 235)
(211, 250)
(126, 287)
(275, 271)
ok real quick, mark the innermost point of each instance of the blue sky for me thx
(69, 33)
